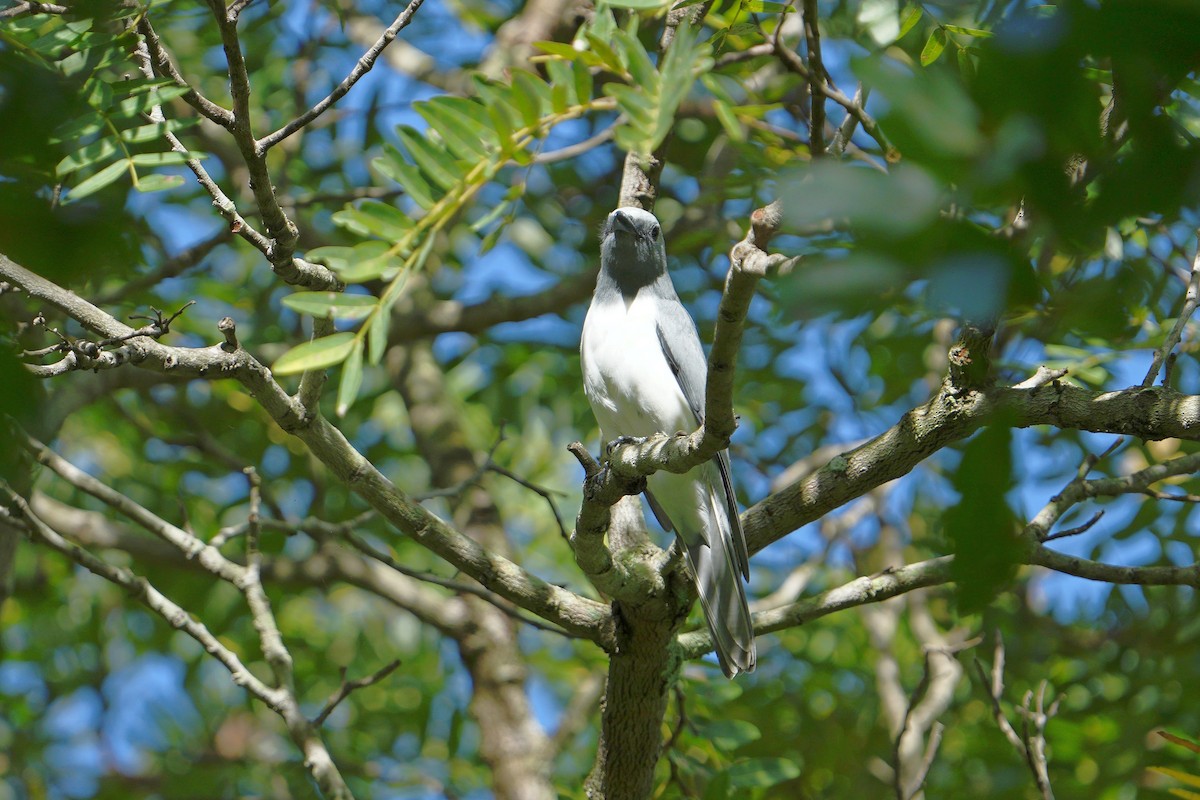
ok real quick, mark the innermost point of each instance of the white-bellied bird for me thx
(644, 372)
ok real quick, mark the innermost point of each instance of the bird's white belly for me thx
(626, 377)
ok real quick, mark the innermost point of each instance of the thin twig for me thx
(458, 586)
(347, 687)
(364, 65)
(1078, 529)
(545, 494)
(1191, 299)
(796, 64)
(579, 148)
(148, 595)
(842, 137)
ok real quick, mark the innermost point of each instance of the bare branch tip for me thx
(229, 328)
(591, 467)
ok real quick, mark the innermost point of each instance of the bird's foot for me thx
(622, 440)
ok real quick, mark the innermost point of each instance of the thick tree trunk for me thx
(640, 676)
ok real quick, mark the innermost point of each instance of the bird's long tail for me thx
(714, 562)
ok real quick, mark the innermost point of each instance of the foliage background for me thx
(100, 699)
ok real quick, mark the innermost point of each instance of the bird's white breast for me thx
(626, 377)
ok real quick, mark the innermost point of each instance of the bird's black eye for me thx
(654, 232)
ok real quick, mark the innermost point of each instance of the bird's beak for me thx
(622, 224)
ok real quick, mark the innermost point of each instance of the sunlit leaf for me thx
(935, 45)
(335, 305)
(317, 354)
(98, 181)
(157, 182)
(351, 380)
(912, 15)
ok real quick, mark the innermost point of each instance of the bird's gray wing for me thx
(680, 344)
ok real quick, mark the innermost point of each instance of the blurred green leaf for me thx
(981, 528)
(762, 773)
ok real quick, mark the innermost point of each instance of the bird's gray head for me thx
(632, 251)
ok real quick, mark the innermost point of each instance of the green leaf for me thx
(97, 181)
(582, 77)
(432, 160)
(981, 527)
(392, 165)
(168, 159)
(729, 121)
(560, 97)
(560, 49)
(761, 7)
(351, 380)
(374, 218)
(101, 95)
(531, 95)
(87, 155)
(639, 5)
(463, 142)
(133, 107)
(333, 305)
(966, 67)
(562, 85)
(78, 128)
(501, 104)
(135, 86)
(719, 787)
(157, 182)
(934, 47)
(377, 336)
(156, 130)
(472, 116)
(976, 32)
(336, 258)
(637, 60)
(317, 354)
(728, 734)
(368, 266)
(651, 105)
(608, 57)
(909, 21)
(762, 773)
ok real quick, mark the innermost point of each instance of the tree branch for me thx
(795, 64)
(1190, 300)
(857, 592)
(361, 68)
(279, 699)
(1146, 412)
(816, 120)
(162, 66)
(574, 613)
(24, 7)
